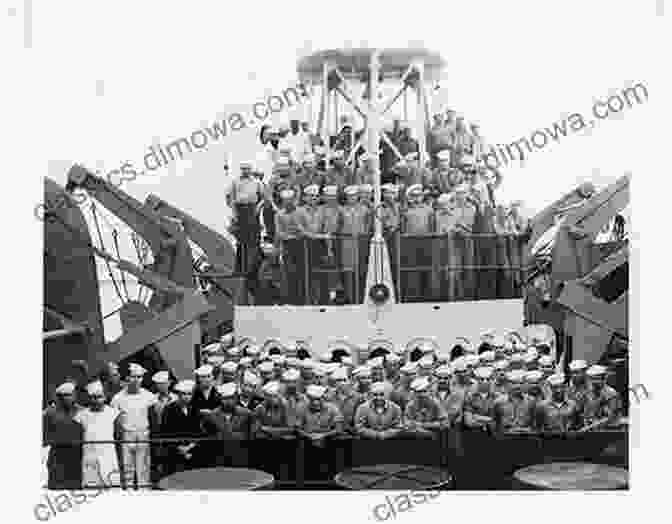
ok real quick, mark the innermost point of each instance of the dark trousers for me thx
(293, 253)
(65, 467)
(248, 237)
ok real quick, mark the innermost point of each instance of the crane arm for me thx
(171, 251)
(219, 251)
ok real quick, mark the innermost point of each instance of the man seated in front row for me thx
(378, 418)
(424, 415)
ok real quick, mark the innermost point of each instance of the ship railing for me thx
(292, 460)
(437, 267)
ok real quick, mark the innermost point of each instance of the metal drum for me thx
(218, 479)
(566, 476)
(395, 477)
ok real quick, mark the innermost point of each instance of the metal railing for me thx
(437, 267)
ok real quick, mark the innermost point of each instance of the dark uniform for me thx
(179, 422)
(60, 430)
(415, 250)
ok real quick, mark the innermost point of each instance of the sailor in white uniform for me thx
(100, 467)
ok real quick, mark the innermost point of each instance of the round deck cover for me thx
(217, 478)
(394, 477)
(573, 476)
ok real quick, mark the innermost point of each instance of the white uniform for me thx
(134, 409)
(99, 461)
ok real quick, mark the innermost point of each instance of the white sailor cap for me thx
(444, 371)
(459, 365)
(216, 360)
(578, 365)
(291, 375)
(293, 361)
(484, 372)
(529, 357)
(307, 363)
(308, 157)
(443, 357)
(245, 362)
(314, 391)
(378, 387)
(227, 339)
(136, 370)
(362, 372)
(556, 380)
(534, 377)
(420, 384)
(245, 164)
(426, 362)
(251, 379)
(462, 188)
(516, 375)
(271, 388)
(287, 194)
(229, 367)
(366, 188)
(347, 361)
(203, 371)
(392, 358)
(443, 156)
(277, 359)
(252, 350)
(212, 348)
(488, 356)
(351, 190)
(67, 388)
(282, 162)
(415, 189)
(233, 351)
(266, 367)
(409, 368)
(596, 371)
(330, 191)
(467, 159)
(376, 362)
(388, 188)
(227, 390)
(185, 386)
(95, 388)
(161, 377)
(502, 364)
(311, 190)
(546, 361)
(443, 200)
(471, 360)
(340, 373)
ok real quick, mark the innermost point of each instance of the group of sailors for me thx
(244, 396)
(309, 192)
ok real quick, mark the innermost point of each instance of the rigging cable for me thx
(102, 247)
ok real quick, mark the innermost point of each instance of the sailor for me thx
(401, 393)
(446, 178)
(393, 363)
(296, 401)
(365, 173)
(320, 419)
(282, 178)
(164, 397)
(307, 373)
(288, 234)
(558, 413)
(377, 369)
(338, 174)
(362, 377)
(479, 404)
(461, 242)
(462, 142)
(500, 384)
(578, 387)
(332, 220)
(271, 420)
(111, 379)
(100, 467)
(416, 222)
(346, 398)
(452, 401)
(228, 372)
(205, 397)
(310, 174)
(426, 366)
(266, 371)
(462, 382)
(246, 193)
(535, 387)
(602, 405)
(234, 353)
(514, 410)
(248, 398)
(378, 418)
(356, 223)
(424, 415)
(63, 434)
(311, 219)
(181, 421)
(546, 365)
(231, 423)
(366, 198)
(390, 212)
(133, 403)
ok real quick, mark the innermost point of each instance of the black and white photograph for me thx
(327, 248)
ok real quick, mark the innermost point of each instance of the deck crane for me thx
(560, 264)
(168, 243)
(226, 288)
